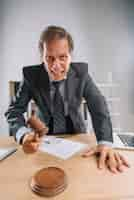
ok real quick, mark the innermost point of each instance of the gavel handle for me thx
(35, 135)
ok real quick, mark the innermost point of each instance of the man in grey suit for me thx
(59, 106)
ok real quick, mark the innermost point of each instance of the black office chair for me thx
(13, 88)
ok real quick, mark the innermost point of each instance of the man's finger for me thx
(36, 137)
(35, 146)
(102, 159)
(119, 162)
(125, 162)
(112, 163)
(89, 152)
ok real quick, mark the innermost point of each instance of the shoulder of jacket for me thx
(32, 68)
(81, 68)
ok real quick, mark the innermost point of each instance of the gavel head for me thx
(37, 125)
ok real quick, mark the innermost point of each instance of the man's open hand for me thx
(107, 157)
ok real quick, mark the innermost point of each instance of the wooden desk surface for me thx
(85, 180)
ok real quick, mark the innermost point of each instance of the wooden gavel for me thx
(37, 125)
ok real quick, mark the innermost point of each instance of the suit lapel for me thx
(44, 86)
(71, 85)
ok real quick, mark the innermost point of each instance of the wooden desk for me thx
(86, 182)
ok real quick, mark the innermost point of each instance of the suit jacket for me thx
(35, 85)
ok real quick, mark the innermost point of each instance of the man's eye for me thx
(49, 58)
(63, 57)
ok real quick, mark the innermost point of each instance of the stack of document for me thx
(62, 148)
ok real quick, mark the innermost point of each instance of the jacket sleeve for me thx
(17, 108)
(99, 111)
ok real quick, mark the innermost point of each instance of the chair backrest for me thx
(13, 88)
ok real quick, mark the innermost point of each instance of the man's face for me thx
(57, 58)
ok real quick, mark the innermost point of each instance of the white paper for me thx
(4, 152)
(62, 148)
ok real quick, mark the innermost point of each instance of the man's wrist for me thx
(107, 143)
(21, 133)
(23, 138)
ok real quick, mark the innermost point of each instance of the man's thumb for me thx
(89, 152)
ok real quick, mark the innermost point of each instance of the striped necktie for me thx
(59, 121)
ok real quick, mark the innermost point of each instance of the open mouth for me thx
(56, 73)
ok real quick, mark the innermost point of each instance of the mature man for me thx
(58, 87)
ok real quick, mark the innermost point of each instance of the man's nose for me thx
(56, 63)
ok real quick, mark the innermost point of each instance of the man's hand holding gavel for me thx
(31, 141)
